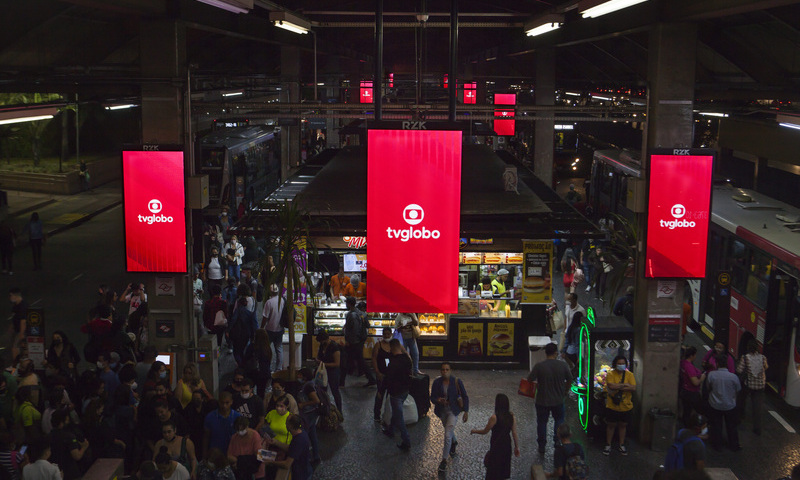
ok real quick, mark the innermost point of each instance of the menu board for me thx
(470, 339)
(500, 339)
(433, 351)
(537, 285)
(471, 258)
(494, 258)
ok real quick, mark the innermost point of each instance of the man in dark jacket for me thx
(398, 379)
(355, 334)
(210, 309)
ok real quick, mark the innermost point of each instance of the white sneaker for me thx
(588, 288)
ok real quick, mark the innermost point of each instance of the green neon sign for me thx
(583, 388)
(590, 315)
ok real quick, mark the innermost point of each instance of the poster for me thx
(537, 285)
(36, 351)
(300, 318)
(435, 351)
(500, 339)
(470, 339)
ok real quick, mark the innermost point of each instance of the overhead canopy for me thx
(338, 196)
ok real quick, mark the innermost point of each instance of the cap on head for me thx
(502, 271)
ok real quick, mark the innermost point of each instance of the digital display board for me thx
(366, 92)
(413, 219)
(470, 93)
(678, 213)
(154, 203)
(504, 123)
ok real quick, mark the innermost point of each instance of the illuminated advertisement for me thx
(413, 215)
(366, 92)
(155, 226)
(678, 213)
(504, 123)
(470, 93)
(537, 286)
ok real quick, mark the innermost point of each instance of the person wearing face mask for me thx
(620, 385)
(179, 448)
(157, 372)
(380, 361)
(710, 358)
(694, 450)
(249, 405)
(62, 355)
(234, 251)
(242, 450)
(276, 421)
(279, 391)
(155, 426)
(106, 373)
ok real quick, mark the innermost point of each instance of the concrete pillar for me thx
(543, 129)
(163, 56)
(290, 89)
(671, 78)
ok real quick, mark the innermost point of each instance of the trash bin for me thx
(663, 431)
(536, 347)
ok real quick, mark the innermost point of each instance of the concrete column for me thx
(290, 87)
(163, 56)
(543, 129)
(671, 78)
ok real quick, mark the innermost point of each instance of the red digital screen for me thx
(470, 93)
(154, 201)
(366, 92)
(504, 123)
(678, 214)
(445, 81)
(413, 215)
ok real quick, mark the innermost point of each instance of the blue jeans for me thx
(233, 271)
(398, 422)
(588, 271)
(413, 350)
(542, 417)
(310, 424)
(276, 338)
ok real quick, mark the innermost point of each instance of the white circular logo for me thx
(154, 206)
(678, 210)
(413, 214)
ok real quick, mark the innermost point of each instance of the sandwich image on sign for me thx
(499, 343)
(534, 284)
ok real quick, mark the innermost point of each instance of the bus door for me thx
(778, 329)
(792, 396)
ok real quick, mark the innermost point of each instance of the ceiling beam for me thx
(683, 10)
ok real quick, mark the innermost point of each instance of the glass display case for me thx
(330, 318)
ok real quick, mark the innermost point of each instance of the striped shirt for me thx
(9, 461)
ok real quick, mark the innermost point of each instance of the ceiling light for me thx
(235, 6)
(31, 114)
(714, 114)
(594, 97)
(543, 24)
(788, 121)
(232, 94)
(25, 119)
(120, 107)
(596, 8)
(574, 94)
(287, 21)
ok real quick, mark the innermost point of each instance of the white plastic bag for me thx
(410, 414)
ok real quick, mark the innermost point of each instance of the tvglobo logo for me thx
(413, 215)
(677, 211)
(155, 206)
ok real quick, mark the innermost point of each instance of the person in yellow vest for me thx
(499, 287)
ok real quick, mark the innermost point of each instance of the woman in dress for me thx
(498, 460)
(169, 468)
(180, 449)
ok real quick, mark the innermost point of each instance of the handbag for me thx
(220, 320)
(578, 277)
(527, 388)
(321, 375)
(616, 399)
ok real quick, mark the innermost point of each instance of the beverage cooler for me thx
(602, 339)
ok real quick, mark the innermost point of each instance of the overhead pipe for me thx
(377, 81)
(453, 59)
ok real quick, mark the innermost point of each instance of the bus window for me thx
(738, 256)
(758, 279)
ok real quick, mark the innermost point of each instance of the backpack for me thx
(576, 467)
(324, 407)
(674, 459)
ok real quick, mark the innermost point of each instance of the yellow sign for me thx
(300, 318)
(500, 339)
(537, 287)
(724, 279)
(433, 351)
(470, 339)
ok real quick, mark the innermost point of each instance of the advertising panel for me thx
(418, 223)
(366, 92)
(470, 93)
(500, 339)
(537, 287)
(154, 201)
(504, 123)
(678, 213)
(470, 339)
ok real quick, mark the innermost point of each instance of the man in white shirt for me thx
(234, 251)
(271, 322)
(40, 468)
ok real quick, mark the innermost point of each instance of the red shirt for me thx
(99, 327)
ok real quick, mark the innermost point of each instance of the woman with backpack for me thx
(498, 459)
(569, 459)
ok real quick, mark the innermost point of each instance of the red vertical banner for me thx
(445, 81)
(413, 219)
(470, 93)
(155, 225)
(366, 92)
(504, 123)
(678, 213)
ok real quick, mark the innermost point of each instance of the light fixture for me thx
(543, 24)
(26, 115)
(573, 94)
(713, 114)
(788, 121)
(595, 97)
(233, 93)
(287, 21)
(596, 8)
(120, 107)
(235, 6)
